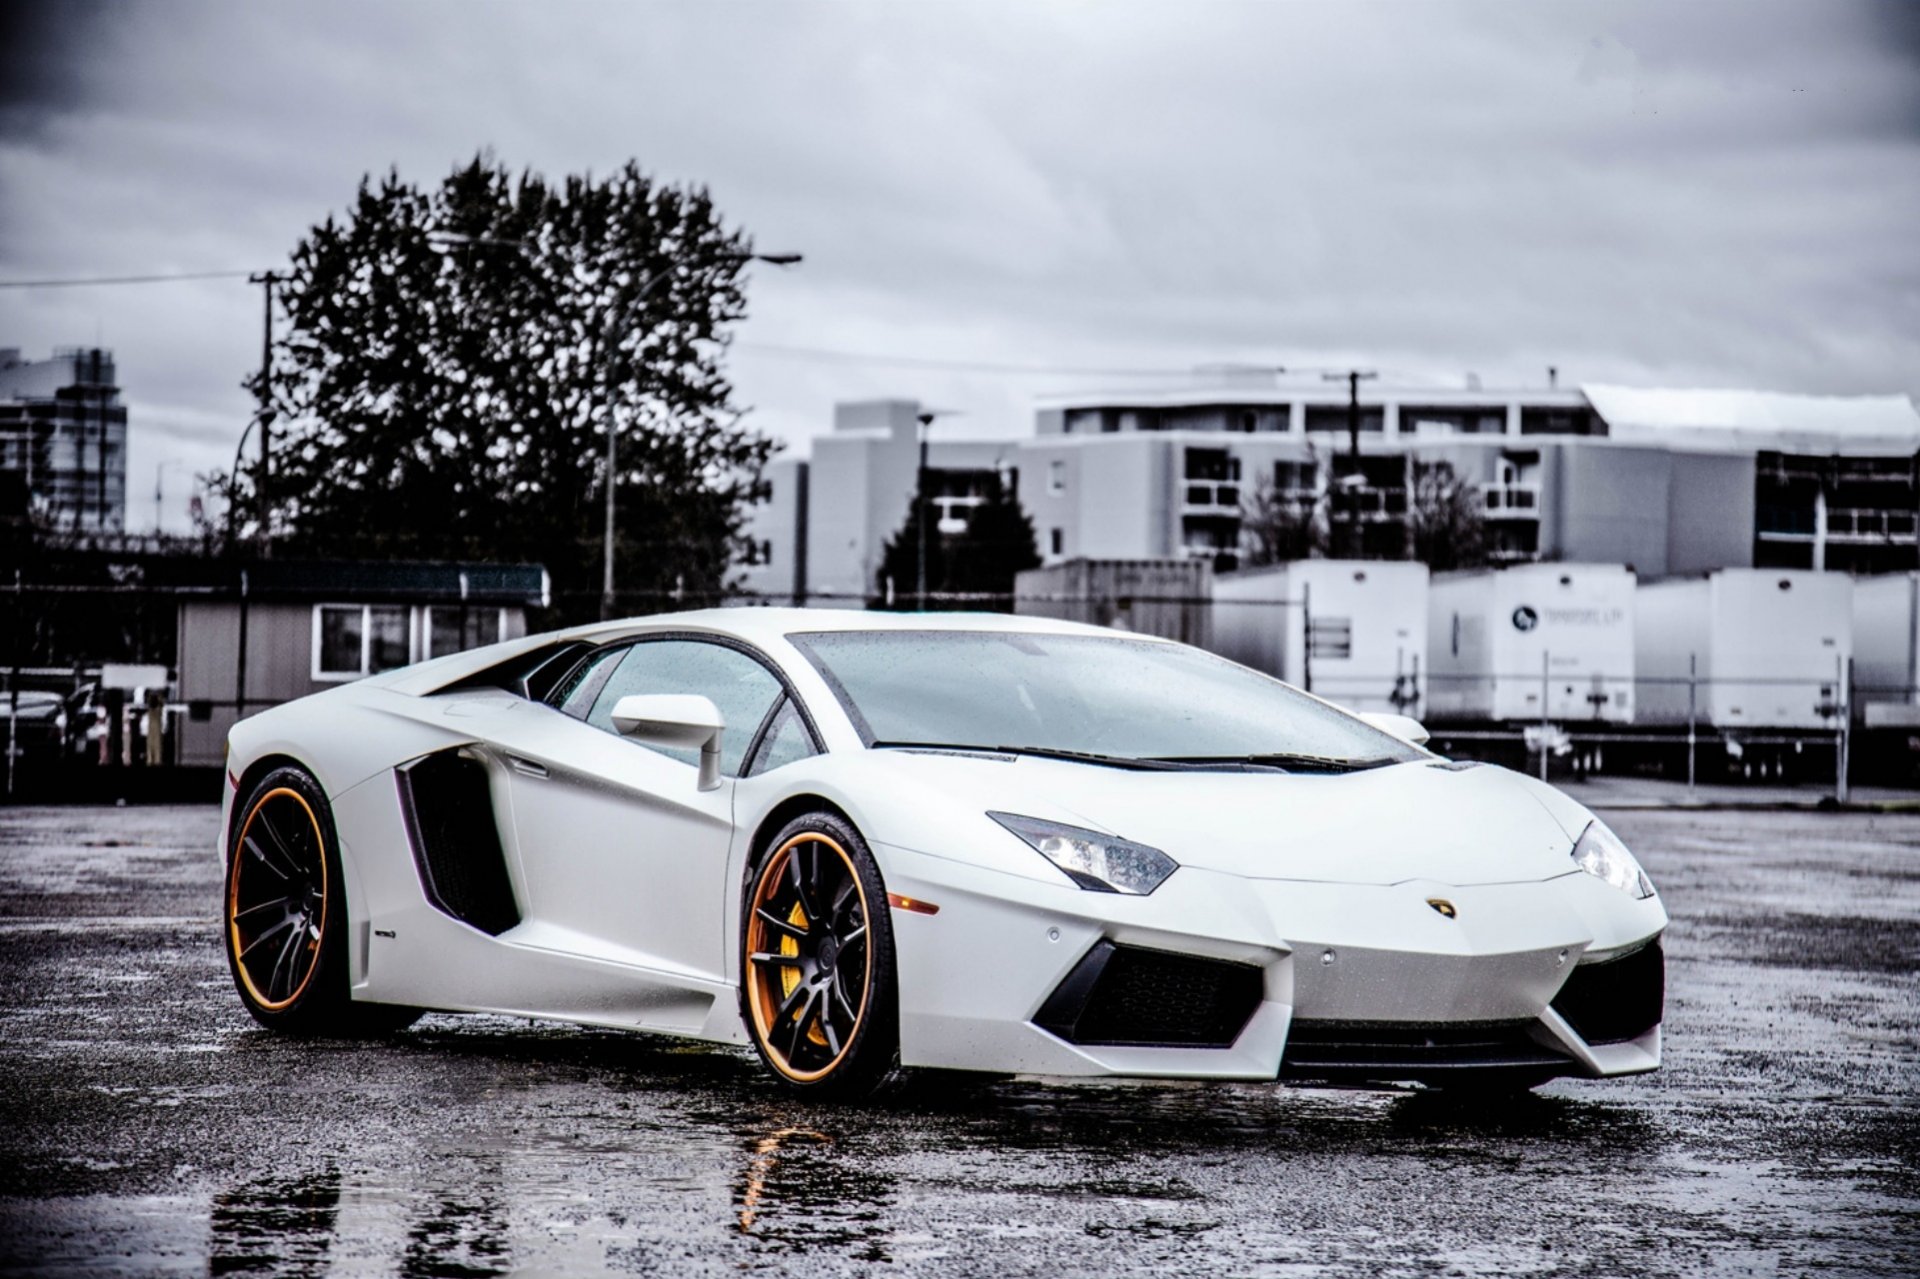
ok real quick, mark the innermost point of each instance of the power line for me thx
(125, 279)
(957, 366)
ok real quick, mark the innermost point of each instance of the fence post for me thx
(1693, 707)
(1306, 636)
(1546, 719)
(13, 686)
(1843, 739)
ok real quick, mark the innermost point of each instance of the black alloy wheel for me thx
(286, 916)
(817, 980)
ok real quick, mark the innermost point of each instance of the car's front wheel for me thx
(817, 983)
(286, 914)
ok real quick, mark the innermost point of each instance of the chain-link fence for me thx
(90, 673)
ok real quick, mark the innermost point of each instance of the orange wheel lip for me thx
(233, 900)
(756, 997)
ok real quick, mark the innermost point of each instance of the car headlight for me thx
(1600, 853)
(1100, 863)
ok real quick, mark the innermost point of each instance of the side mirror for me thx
(675, 719)
(1404, 727)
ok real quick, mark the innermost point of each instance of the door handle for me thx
(526, 767)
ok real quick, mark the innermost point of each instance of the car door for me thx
(621, 854)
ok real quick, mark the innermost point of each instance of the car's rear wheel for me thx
(817, 968)
(286, 914)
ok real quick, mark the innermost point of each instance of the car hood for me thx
(1423, 819)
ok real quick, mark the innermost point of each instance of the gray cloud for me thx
(1700, 193)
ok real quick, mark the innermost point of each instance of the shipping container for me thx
(1768, 648)
(1352, 631)
(1168, 597)
(1886, 650)
(1500, 642)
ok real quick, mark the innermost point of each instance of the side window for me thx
(576, 695)
(786, 741)
(742, 688)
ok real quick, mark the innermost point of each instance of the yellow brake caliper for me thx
(790, 975)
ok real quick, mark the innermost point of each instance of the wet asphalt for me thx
(148, 1126)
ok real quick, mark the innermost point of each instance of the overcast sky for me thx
(1664, 194)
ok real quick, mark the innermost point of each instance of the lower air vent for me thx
(1413, 1050)
(456, 841)
(1125, 996)
(1617, 999)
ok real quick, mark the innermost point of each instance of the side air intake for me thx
(1617, 999)
(448, 805)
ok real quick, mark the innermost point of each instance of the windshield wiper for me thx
(1286, 761)
(1048, 752)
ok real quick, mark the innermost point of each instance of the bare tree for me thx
(1277, 526)
(1449, 518)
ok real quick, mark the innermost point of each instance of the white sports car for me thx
(865, 842)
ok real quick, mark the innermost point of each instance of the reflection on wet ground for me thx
(146, 1126)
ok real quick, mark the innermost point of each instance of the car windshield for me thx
(1112, 698)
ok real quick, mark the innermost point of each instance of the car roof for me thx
(770, 623)
(758, 626)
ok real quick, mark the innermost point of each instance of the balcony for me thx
(1857, 525)
(1512, 501)
(1211, 499)
(1374, 505)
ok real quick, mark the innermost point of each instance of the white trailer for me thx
(1500, 643)
(1886, 649)
(1768, 648)
(1352, 631)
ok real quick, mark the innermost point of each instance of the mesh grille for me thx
(1621, 999)
(1129, 996)
(1406, 1050)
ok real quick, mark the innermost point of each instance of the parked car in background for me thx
(33, 725)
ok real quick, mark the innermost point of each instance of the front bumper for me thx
(1380, 983)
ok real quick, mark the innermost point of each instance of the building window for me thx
(1057, 540)
(1056, 477)
(1536, 420)
(1333, 417)
(339, 649)
(1420, 420)
(447, 633)
(1212, 464)
(1294, 478)
(352, 640)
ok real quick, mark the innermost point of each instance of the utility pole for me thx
(1353, 379)
(265, 390)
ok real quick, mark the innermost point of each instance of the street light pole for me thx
(621, 315)
(158, 471)
(617, 321)
(268, 279)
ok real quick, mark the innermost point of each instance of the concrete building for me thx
(823, 530)
(280, 629)
(1666, 482)
(63, 439)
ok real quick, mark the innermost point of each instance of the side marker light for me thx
(913, 904)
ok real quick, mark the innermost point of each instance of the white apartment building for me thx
(1664, 481)
(63, 438)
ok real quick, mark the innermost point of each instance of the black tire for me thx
(817, 898)
(284, 915)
